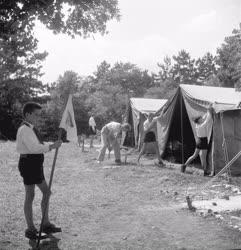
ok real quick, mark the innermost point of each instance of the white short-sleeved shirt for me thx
(202, 129)
(147, 124)
(27, 141)
(114, 128)
(92, 122)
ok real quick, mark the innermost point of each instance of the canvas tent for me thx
(137, 111)
(176, 130)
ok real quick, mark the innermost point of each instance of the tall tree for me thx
(183, 70)
(20, 64)
(113, 86)
(68, 83)
(130, 78)
(165, 69)
(206, 68)
(19, 71)
(162, 90)
(229, 59)
(100, 77)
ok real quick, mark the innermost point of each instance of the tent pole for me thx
(182, 127)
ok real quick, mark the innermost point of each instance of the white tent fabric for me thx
(147, 105)
(137, 112)
(191, 101)
(222, 98)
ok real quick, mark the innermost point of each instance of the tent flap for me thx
(225, 131)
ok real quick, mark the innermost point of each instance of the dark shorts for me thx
(150, 137)
(31, 168)
(92, 131)
(202, 143)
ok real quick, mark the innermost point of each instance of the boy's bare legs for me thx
(47, 226)
(105, 144)
(28, 205)
(143, 149)
(194, 156)
(45, 201)
(116, 146)
(91, 141)
(203, 157)
(158, 152)
(190, 159)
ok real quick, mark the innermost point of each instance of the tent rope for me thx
(182, 130)
(224, 146)
(223, 170)
(228, 163)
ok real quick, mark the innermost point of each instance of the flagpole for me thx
(49, 188)
(50, 184)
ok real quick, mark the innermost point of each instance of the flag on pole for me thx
(68, 121)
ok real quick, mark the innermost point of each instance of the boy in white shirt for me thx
(150, 137)
(31, 149)
(92, 130)
(202, 126)
(109, 138)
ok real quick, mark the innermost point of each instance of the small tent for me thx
(176, 129)
(137, 111)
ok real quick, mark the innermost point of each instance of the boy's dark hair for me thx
(29, 107)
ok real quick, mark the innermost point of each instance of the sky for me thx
(147, 32)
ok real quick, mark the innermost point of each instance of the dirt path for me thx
(109, 207)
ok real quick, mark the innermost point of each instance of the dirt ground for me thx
(114, 207)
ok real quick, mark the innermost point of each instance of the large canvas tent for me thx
(176, 129)
(137, 111)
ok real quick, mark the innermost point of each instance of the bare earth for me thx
(112, 207)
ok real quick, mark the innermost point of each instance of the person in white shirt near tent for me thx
(110, 135)
(92, 130)
(150, 137)
(202, 123)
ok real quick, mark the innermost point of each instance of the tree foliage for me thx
(110, 88)
(183, 70)
(20, 63)
(72, 17)
(229, 60)
(20, 68)
(165, 69)
(104, 94)
(206, 68)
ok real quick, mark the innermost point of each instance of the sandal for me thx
(207, 174)
(160, 163)
(31, 234)
(51, 228)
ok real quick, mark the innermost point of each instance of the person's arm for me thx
(205, 123)
(55, 145)
(31, 142)
(146, 126)
(155, 119)
(207, 119)
(151, 124)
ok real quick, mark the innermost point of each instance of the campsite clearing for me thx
(117, 207)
